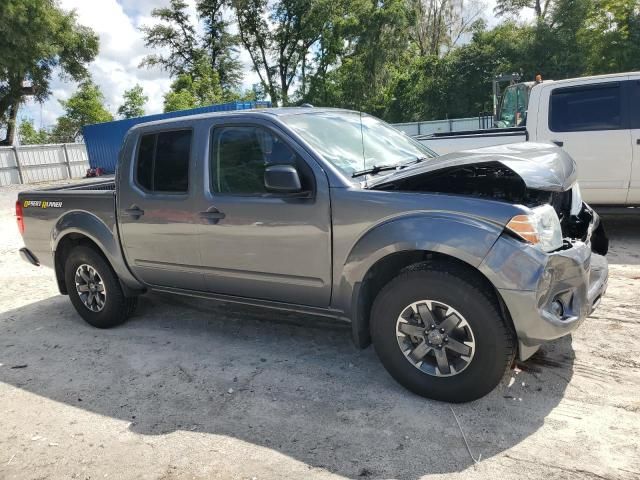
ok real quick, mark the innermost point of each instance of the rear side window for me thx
(163, 161)
(579, 109)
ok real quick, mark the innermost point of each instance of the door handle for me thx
(134, 212)
(213, 215)
(558, 142)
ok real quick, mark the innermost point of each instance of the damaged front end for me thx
(518, 174)
(548, 266)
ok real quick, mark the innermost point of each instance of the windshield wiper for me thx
(374, 170)
(383, 168)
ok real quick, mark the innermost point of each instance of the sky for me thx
(115, 69)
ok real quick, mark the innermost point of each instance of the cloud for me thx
(122, 48)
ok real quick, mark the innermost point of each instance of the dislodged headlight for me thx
(541, 227)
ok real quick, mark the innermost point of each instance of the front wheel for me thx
(440, 335)
(94, 289)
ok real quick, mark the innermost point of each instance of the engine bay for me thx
(495, 181)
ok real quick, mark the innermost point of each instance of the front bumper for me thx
(530, 281)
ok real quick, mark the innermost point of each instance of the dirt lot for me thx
(192, 389)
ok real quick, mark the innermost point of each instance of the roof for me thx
(593, 77)
(260, 112)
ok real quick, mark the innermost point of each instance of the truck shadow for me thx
(284, 382)
(624, 236)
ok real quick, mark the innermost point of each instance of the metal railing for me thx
(41, 163)
(448, 125)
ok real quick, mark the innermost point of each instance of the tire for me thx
(108, 307)
(488, 343)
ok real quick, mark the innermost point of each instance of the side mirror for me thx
(282, 179)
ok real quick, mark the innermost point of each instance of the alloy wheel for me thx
(90, 288)
(435, 338)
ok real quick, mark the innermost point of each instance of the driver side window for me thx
(239, 156)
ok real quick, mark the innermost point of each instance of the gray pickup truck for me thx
(450, 265)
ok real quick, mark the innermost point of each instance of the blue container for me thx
(104, 140)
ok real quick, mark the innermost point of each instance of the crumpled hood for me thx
(541, 166)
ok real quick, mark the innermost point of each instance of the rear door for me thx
(256, 243)
(588, 121)
(156, 213)
(634, 119)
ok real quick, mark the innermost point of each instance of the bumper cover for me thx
(532, 283)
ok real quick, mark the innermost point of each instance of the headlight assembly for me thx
(576, 199)
(541, 227)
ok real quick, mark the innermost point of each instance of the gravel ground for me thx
(193, 389)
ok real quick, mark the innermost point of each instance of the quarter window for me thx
(578, 109)
(163, 161)
(239, 156)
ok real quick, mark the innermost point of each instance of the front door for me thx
(158, 223)
(256, 243)
(588, 122)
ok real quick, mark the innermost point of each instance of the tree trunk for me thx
(11, 124)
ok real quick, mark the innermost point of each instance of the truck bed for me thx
(446, 142)
(45, 210)
(94, 184)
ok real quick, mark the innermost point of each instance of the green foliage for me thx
(403, 60)
(368, 48)
(199, 89)
(133, 102)
(38, 37)
(186, 52)
(85, 107)
(30, 136)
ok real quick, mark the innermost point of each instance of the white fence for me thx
(450, 125)
(41, 163)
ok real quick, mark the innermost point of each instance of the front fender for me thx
(464, 237)
(103, 236)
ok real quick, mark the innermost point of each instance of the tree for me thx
(197, 90)
(278, 37)
(513, 7)
(30, 136)
(221, 46)
(85, 107)
(37, 38)
(368, 52)
(439, 24)
(612, 34)
(186, 52)
(133, 104)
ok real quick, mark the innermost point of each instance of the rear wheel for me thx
(94, 289)
(441, 335)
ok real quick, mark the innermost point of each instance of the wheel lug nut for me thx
(439, 346)
(442, 330)
(433, 326)
(446, 339)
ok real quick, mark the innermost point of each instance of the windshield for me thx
(353, 146)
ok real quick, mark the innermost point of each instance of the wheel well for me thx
(68, 243)
(389, 267)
